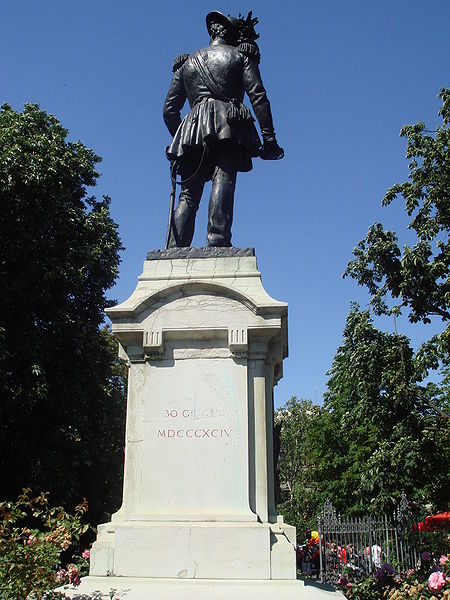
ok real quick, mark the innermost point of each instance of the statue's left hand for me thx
(271, 151)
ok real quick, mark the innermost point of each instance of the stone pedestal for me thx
(137, 588)
(204, 344)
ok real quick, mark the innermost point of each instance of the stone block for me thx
(192, 550)
(282, 557)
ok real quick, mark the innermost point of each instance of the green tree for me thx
(62, 409)
(416, 277)
(294, 463)
(379, 430)
(377, 434)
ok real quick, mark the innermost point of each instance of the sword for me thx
(172, 201)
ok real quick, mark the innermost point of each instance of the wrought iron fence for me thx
(359, 546)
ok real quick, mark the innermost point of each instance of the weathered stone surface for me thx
(193, 550)
(207, 252)
(204, 343)
(235, 277)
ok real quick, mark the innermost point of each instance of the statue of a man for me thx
(218, 137)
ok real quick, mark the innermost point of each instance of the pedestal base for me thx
(98, 588)
(195, 550)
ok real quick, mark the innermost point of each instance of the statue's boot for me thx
(221, 202)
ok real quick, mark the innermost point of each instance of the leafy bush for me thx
(430, 581)
(34, 537)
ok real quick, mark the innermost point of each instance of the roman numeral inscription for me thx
(194, 417)
(194, 433)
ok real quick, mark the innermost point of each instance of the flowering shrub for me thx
(430, 581)
(436, 581)
(384, 573)
(32, 537)
(73, 573)
(370, 588)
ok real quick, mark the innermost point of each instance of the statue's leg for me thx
(184, 215)
(220, 214)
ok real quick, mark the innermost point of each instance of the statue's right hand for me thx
(271, 151)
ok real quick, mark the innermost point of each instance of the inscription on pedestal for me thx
(196, 418)
(195, 433)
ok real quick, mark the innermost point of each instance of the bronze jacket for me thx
(208, 122)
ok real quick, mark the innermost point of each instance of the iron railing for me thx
(359, 546)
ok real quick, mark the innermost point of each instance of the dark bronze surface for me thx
(210, 252)
(217, 138)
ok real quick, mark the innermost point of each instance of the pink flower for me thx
(86, 554)
(436, 581)
(349, 585)
(61, 575)
(31, 539)
(443, 560)
(73, 575)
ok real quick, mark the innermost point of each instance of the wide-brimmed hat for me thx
(217, 17)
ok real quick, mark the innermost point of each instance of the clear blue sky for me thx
(342, 78)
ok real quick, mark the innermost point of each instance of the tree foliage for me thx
(375, 435)
(415, 277)
(61, 416)
(294, 462)
(380, 431)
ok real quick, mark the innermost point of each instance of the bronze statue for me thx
(218, 137)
